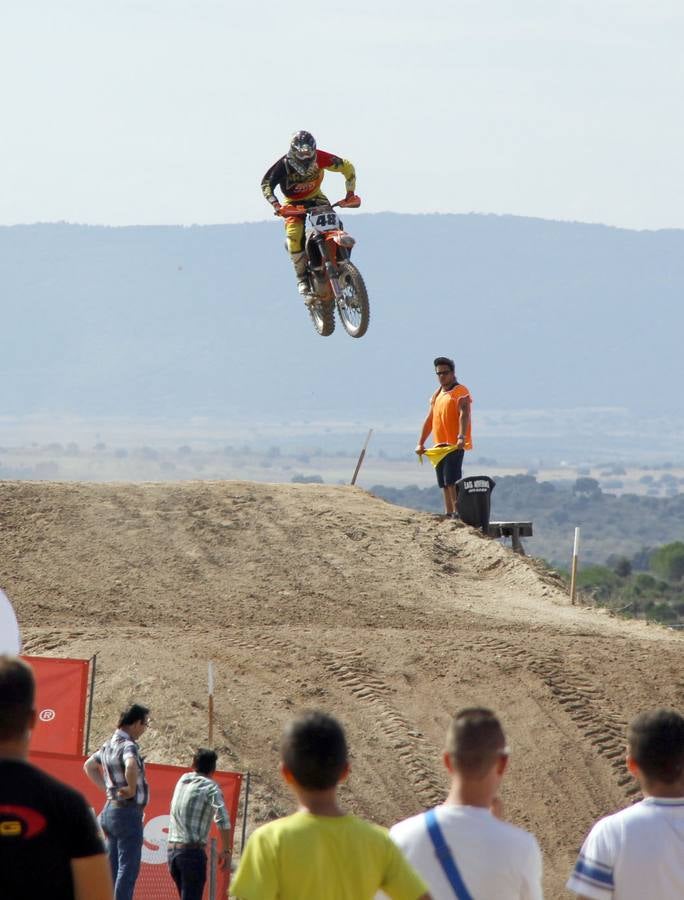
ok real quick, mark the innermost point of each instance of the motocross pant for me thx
(294, 225)
(299, 263)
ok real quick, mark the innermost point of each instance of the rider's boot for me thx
(299, 263)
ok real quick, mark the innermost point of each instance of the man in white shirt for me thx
(638, 853)
(461, 848)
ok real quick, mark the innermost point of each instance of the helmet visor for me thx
(302, 159)
(303, 152)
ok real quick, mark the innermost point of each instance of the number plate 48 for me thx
(323, 221)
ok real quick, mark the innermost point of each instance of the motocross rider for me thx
(299, 174)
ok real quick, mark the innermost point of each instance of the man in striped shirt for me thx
(118, 769)
(196, 798)
(638, 853)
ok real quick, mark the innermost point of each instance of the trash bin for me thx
(474, 500)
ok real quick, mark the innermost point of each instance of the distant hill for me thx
(205, 320)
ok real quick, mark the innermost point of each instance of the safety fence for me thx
(61, 692)
(61, 695)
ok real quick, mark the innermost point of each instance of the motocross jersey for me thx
(301, 187)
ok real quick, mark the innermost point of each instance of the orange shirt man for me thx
(448, 420)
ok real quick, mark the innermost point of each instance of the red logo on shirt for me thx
(304, 187)
(20, 821)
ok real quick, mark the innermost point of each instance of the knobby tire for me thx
(322, 314)
(354, 311)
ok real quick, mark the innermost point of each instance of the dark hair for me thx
(475, 740)
(656, 743)
(204, 761)
(17, 696)
(314, 749)
(444, 361)
(134, 713)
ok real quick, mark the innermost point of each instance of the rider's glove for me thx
(351, 199)
(275, 204)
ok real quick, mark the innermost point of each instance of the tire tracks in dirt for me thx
(580, 699)
(354, 673)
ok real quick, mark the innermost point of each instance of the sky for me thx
(169, 111)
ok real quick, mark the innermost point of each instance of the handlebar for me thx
(294, 209)
(290, 210)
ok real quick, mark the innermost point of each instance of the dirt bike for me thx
(334, 279)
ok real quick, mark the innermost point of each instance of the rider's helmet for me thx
(302, 153)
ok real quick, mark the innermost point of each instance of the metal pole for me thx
(573, 574)
(361, 456)
(212, 869)
(93, 659)
(244, 813)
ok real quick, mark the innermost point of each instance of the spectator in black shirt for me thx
(50, 845)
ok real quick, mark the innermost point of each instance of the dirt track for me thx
(308, 595)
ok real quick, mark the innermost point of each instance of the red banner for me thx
(61, 693)
(154, 881)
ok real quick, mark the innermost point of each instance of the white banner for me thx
(10, 641)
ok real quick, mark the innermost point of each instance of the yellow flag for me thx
(437, 454)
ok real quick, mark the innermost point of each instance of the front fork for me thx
(329, 257)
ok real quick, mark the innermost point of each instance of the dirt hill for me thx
(308, 595)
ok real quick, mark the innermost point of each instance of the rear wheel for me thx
(352, 302)
(322, 314)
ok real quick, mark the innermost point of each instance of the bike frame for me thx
(329, 244)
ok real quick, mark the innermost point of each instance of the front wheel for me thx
(352, 301)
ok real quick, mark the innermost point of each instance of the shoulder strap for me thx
(444, 855)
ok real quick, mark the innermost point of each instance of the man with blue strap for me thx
(461, 848)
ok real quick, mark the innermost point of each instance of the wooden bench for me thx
(513, 530)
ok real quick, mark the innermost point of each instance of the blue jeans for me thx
(188, 867)
(123, 828)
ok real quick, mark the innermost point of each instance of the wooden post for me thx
(244, 813)
(573, 574)
(211, 704)
(361, 456)
(89, 719)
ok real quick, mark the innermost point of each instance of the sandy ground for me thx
(310, 595)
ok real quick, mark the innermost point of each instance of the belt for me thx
(193, 845)
(124, 804)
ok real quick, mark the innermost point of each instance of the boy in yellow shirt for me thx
(320, 852)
